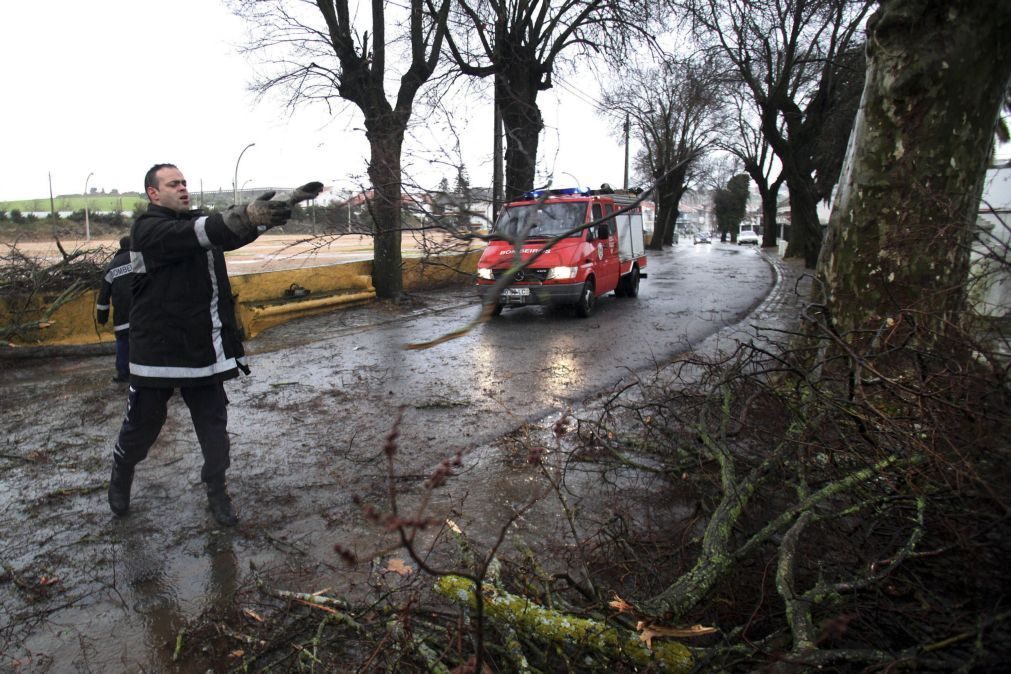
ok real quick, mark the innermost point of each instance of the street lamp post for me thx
(87, 223)
(243, 188)
(350, 193)
(235, 179)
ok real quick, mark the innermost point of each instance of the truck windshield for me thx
(547, 220)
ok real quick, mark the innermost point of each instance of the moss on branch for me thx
(560, 628)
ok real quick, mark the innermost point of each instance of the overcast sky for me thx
(111, 87)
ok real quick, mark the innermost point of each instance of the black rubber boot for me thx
(221, 506)
(119, 488)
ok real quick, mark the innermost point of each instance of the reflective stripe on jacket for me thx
(115, 290)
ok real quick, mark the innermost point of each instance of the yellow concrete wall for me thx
(73, 323)
(260, 298)
(441, 270)
(261, 302)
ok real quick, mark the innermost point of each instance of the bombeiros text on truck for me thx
(570, 261)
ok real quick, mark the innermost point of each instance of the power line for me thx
(581, 95)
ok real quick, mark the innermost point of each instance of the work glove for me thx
(264, 213)
(103, 316)
(249, 221)
(306, 192)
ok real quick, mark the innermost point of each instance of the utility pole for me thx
(627, 127)
(52, 202)
(87, 223)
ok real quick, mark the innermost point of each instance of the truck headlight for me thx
(562, 272)
(485, 273)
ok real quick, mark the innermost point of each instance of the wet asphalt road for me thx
(307, 428)
(527, 363)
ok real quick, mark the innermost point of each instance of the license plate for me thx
(516, 292)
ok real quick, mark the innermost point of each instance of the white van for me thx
(749, 235)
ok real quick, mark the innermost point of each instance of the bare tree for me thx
(786, 53)
(520, 44)
(755, 154)
(325, 55)
(673, 108)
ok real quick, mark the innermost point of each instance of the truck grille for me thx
(525, 275)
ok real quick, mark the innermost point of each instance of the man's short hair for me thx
(151, 177)
(124, 242)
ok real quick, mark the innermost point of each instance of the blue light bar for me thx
(566, 191)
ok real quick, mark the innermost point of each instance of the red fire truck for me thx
(574, 245)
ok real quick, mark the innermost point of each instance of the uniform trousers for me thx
(123, 353)
(145, 414)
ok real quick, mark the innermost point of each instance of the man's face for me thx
(171, 191)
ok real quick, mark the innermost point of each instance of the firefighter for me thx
(116, 289)
(183, 331)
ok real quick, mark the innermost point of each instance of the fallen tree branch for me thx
(562, 629)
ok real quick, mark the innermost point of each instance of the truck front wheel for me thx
(587, 300)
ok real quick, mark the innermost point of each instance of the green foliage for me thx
(730, 203)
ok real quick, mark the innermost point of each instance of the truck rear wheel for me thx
(631, 282)
(587, 300)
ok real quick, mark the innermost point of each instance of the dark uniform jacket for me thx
(183, 330)
(116, 288)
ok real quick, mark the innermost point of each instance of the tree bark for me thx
(805, 228)
(670, 187)
(523, 124)
(898, 244)
(770, 196)
(386, 142)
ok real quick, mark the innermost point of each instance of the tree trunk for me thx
(671, 206)
(660, 226)
(898, 245)
(523, 123)
(386, 140)
(669, 190)
(770, 228)
(769, 194)
(805, 229)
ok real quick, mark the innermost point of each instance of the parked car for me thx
(702, 237)
(748, 235)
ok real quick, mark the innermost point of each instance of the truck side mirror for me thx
(603, 230)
